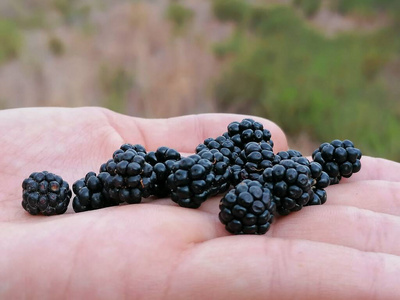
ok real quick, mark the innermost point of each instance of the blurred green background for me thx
(319, 69)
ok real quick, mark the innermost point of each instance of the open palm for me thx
(346, 249)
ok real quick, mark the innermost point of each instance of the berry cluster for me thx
(45, 193)
(257, 183)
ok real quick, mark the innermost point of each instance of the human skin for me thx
(347, 248)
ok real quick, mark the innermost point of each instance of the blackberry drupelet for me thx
(290, 183)
(253, 160)
(162, 160)
(90, 193)
(45, 193)
(190, 181)
(338, 159)
(247, 131)
(247, 209)
(131, 177)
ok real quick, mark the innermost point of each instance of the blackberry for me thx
(45, 193)
(131, 177)
(319, 197)
(247, 209)
(190, 181)
(162, 160)
(253, 160)
(320, 178)
(220, 174)
(247, 131)
(290, 183)
(338, 159)
(90, 193)
(289, 154)
(137, 147)
(223, 144)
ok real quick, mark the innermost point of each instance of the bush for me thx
(116, 84)
(10, 40)
(365, 6)
(270, 21)
(329, 88)
(230, 10)
(179, 15)
(309, 7)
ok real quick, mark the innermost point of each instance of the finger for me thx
(342, 225)
(259, 268)
(186, 132)
(373, 168)
(375, 195)
(339, 224)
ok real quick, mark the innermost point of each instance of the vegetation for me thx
(56, 46)
(115, 83)
(231, 10)
(179, 15)
(309, 7)
(280, 68)
(10, 40)
(365, 6)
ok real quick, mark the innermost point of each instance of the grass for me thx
(280, 68)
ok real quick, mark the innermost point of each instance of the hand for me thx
(347, 248)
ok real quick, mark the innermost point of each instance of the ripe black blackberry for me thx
(223, 144)
(220, 174)
(162, 160)
(131, 177)
(253, 160)
(289, 154)
(45, 193)
(247, 131)
(320, 178)
(190, 181)
(90, 193)
(290, 183)
(247, 209)
(318, 198)
(338, 159)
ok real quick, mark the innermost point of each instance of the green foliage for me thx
(280, 19)
(365, 6)
(230, 10)
(10, 40)
(115, 83)
(281, 69)
(179, 15)
(309, 7)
